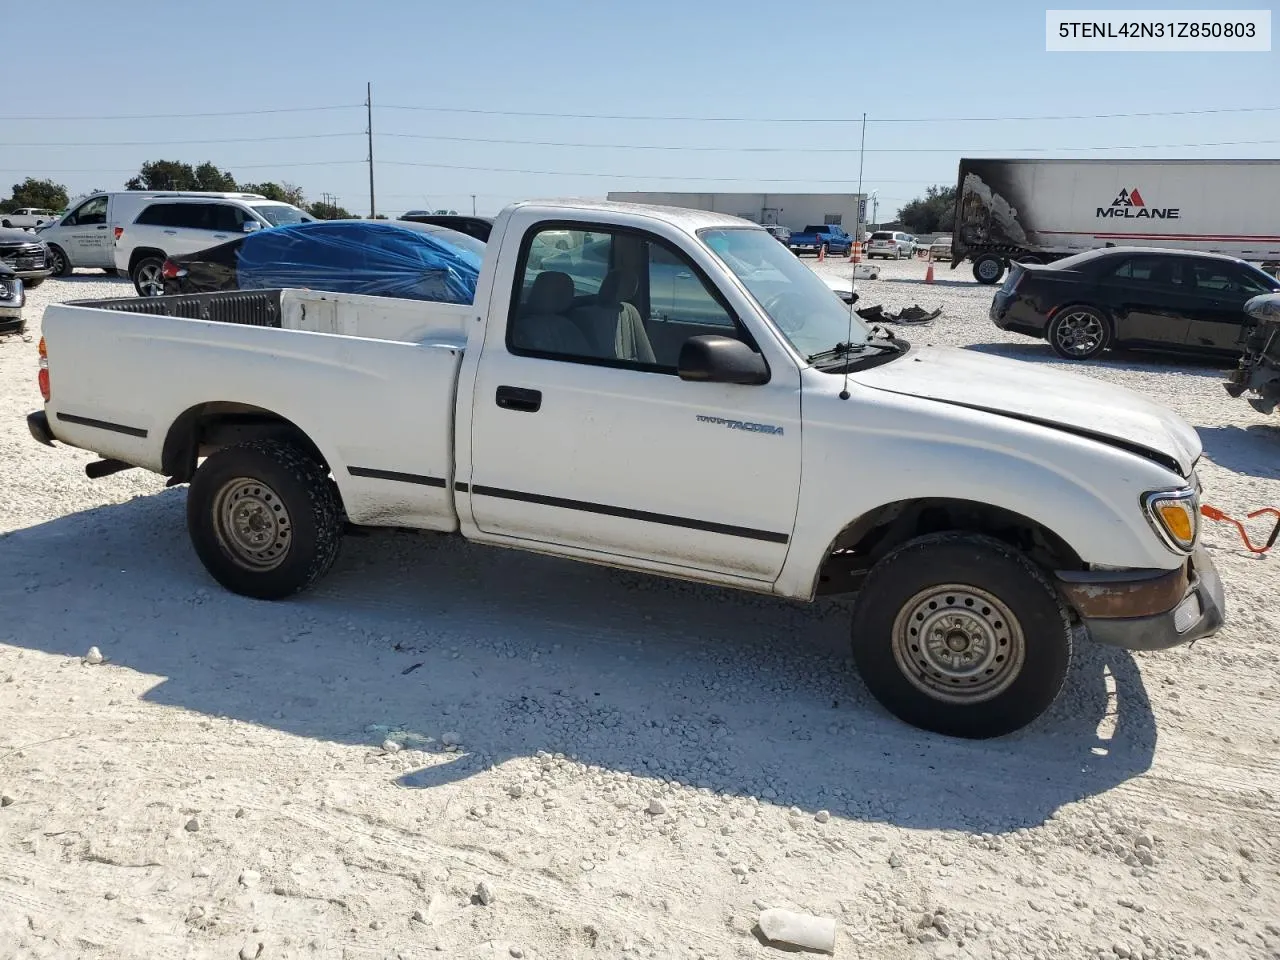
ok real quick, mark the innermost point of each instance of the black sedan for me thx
(26, 255)
(372, 257)
(1132, 297)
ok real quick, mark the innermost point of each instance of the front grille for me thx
(23, 256)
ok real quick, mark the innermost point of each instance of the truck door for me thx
(86, 236)
(584, 437)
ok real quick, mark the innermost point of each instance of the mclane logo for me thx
(1129, 205)
(741, 425)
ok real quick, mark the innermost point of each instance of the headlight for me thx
(1175, 516)
(5, 291)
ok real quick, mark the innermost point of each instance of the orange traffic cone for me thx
(928, 275)
(854, 249)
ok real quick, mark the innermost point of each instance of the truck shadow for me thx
(1253, 450)
(414, 636)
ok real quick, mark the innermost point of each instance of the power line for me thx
(165, 143)
(626, 176)
(842, 120)
(238, 166)
(183, 116)
(962, 150)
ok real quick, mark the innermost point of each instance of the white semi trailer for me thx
(1038, 211)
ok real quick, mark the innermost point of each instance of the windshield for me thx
(280, 213)
(456, 238)
(795, 298)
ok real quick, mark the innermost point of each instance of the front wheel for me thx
(961, 635)
(264, 518)
(1078, 333)
(59, 262)
(147, 277)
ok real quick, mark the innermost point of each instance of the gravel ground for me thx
(630, 767)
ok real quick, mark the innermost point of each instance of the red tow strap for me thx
(1213, 513)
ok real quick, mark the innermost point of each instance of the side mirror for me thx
(252, 226)
(713, 359)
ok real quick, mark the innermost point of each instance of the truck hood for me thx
(1066, 401)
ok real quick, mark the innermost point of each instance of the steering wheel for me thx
(788, 309)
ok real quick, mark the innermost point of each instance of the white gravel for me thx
(618, 745)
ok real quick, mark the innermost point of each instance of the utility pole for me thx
(862, 152)
(368, 103)
(473, 204)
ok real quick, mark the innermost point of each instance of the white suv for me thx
(175, 226)
(890, 243)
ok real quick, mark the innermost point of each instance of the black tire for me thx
(1079, 332)
(6, 224)
(33, 283)
(302, 532)
(960, 574)
(144, 274)
(59, 261)
(988, 268)
(1028, 258)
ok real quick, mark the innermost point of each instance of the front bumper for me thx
(1152, 612)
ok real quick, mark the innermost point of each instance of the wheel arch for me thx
(140, 252)
(208, 427)
(861, 543)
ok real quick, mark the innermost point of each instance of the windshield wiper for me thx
(841, 350)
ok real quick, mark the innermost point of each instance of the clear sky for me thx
(825, 62)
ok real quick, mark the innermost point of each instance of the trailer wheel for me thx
(962, 635)
(264, 518)
(988, 268)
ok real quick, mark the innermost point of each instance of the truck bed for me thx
(143, 363)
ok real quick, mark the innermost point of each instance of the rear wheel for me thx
(6, 224)
(1078, 333)
(58, 261)
(264, 518)
(147, 277)
(962, 635)
(988, 268)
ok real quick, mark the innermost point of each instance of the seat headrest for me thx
(552, 292)
(618, 285)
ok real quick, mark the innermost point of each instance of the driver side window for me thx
(87, 214)
(620, 298)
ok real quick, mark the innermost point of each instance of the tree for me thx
(283, 192)
(31, 192)
(932, 213)
(176, 175)
(329, 211)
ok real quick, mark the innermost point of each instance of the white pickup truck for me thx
(728, 422)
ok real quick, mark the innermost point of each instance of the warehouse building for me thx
(792, 210)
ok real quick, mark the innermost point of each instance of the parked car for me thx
(175, 226)
(477, 227)
(28, 218)
(813, 239)
(1259, 369)
(385, 258)
(890, 244)
(1132, 297)
(84, 235)
(1000, 509)
(778, 232)
(940, 249)
(26, 255)
(12, 299)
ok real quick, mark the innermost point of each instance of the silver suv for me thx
(890, 244)
(177, 226)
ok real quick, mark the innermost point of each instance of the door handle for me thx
(519, 398)
(171, 233)
(102, 226)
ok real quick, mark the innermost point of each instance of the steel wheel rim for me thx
(958, 644)
(988, 269)
(150, 281)
(1079, 333)
(252, 524)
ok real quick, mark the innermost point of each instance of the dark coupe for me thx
(1132, 297)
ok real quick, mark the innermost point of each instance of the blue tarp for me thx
(353, 256)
